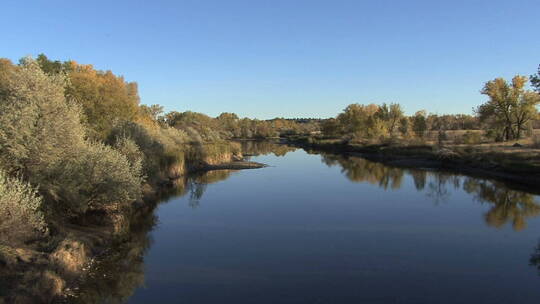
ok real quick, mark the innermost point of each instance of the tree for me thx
(229, 123)
(153, 111)
(404, 126)
(225, 116)
(362, 121)
(97, 177)
(510, 107)
(6, 70)
(104, 97)
(390, 114)
(38, 126)
(48, 66)
(419, 123)
(353, 117)
(535, 80)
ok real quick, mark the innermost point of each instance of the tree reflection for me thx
(508, 205)
(438, 187)
(535, 258)
(420, 178)
(362, 170)
(120, 271)
(250, 148)
(198, 182)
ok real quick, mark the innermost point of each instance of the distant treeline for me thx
(510, 113)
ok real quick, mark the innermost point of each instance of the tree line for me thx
(510, 113)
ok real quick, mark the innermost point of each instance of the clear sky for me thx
(287, 58)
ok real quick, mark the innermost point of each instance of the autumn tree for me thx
(104, 97)
(153, 111)
(362, 121)
(390, 114)
(229, 122)
(510, 107)
(6, 70)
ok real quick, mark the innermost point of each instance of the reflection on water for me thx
(361, 170)
(506, 205)
(198, 182)
(121, 271)
(535, 258)
(254, 148)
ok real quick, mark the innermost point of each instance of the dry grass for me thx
(536, 141)
(453, 138)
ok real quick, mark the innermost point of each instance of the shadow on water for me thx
(118, 273)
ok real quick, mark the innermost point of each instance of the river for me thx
(320, 228)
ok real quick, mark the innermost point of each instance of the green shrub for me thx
(37, 125)
(131, 151)
(161, 146)
(419, 124)
(21, 210)
(152, 149)
(97, 177)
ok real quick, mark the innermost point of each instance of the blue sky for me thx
(288, 58)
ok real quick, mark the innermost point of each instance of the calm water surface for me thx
(326, 229)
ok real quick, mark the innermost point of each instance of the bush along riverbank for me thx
(51, 266)
(508, 163)
(78, 157)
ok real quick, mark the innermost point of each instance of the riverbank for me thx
(512, 164)
(50, 269)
